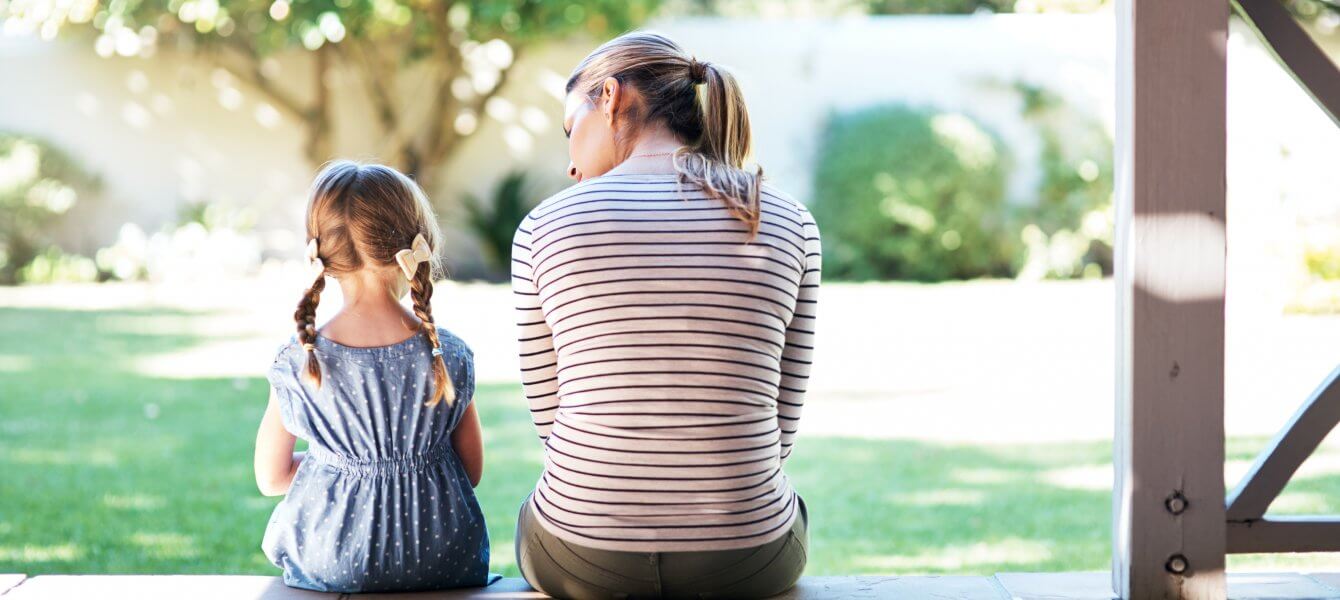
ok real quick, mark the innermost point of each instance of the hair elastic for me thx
(697, 71)
(437, 351)
(309, 347)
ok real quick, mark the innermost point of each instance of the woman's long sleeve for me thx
(539, 362)
(797, 355)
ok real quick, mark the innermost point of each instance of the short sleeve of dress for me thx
(283, 377)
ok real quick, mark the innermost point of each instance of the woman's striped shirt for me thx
(665, 362)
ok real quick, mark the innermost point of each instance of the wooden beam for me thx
(1295, 51)
(9, 581)
(1276, 465)
(1285, 534)
(1168, 452)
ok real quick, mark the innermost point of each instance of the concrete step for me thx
(1011, 586)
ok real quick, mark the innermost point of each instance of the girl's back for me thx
(382, 501)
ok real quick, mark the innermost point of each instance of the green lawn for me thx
(104, 470)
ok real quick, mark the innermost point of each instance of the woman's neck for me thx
(650, 155)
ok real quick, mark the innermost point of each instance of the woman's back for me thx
(665, 361)
(382, 502)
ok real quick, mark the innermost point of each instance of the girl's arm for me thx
(276, 462)
(468, 440)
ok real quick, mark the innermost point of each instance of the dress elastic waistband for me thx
(380, 466)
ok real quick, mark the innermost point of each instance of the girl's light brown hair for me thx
(699, 102)
(362, 215)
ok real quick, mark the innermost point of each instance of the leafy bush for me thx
(1068, 226)
(494, 221)
(210, 240)
(55, 266)
(913, 194)
(38, 184)
(1323, 261)
(917, 194)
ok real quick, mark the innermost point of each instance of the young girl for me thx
(383, 498)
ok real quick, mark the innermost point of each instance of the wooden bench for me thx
(1003, 586)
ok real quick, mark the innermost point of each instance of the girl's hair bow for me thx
(409, 258)
(315, 267)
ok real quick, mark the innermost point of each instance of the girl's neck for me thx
(372, 314)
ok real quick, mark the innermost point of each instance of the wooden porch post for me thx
(1168, 496)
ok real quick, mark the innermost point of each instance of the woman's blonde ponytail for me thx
(700, 102)
(716, 161)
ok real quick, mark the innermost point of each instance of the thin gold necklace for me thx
(650, 155)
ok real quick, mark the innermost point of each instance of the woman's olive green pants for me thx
(565, 570)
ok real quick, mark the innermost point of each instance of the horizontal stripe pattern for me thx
(665, 362)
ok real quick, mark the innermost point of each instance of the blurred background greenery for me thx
(956, 153)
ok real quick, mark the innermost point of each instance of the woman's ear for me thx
(611, 94)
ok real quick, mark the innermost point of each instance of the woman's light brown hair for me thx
(699, 102)
(362, 215)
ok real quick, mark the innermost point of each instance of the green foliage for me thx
(461, 52)
(1314, 10)
(913, 194)
(266, 26)
(1323, 261)
(1069, 225)
(55, 266)
(916, 194)
(38, 185)
(494, 222)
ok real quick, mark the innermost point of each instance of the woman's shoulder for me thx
(783, 201)
(578, 192)
(782, 196)
(546, 205)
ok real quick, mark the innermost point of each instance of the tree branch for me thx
(318, 134)
(449, 138)
(380, 77)
(444, 103)
(254, 77)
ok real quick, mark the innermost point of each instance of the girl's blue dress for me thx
(381, 501)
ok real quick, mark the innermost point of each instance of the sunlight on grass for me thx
(39, 456)
(166, 545)
(982, 476)
(1300, 503)
(38, 554)
(947, 497)
(133, 502)
(1088, 477)
(210, 360)
(502, 556)
(15, 364)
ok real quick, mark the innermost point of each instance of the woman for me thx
(666, 305)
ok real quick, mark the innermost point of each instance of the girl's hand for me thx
(276, 462)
